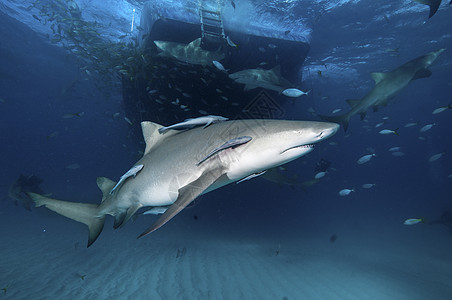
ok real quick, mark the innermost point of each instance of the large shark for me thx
(267, 79)
(172, 175)
(387, 86)
(189, 53)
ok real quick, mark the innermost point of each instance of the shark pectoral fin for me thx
(130, 212)
(422, 73)
(353, 102)
(186, 195)
(249, 87)
(433, 4)
(105, 185)
(378, 76)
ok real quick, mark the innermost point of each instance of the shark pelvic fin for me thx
(353, 102)
(186, 195)
(105, 185)
(378, 76)
(433, 4)
(81, 212)
(422, 73)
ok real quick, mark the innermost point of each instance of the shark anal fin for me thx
(186, 195)
(130, 212)
(353, 102)
(378, 76)
(119, 219)
(422, 73)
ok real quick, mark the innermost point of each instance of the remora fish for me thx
(132, 172)
(175, 177)
(387, 85)
(189, 53)
(267, 79)
(190, 123)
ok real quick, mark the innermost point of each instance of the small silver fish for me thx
(219, 66)
(132, 172)
(413, 221)
(441, 109)
(365, 158)
(388, 131)
(426, 127)
(345, 192)
(294, 93)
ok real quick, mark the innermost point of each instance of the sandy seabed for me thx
(191, 262)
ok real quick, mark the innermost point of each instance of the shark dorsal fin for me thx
(151, 134)
(196, 43)
(105, 185)
(353, 102)
(277, 70)
(378, 76)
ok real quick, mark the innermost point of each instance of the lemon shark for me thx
(172, 175)
(189, 53)
(387, 86)
(267, 79)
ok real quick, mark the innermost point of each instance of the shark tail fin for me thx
(81, 212)
(341, 119)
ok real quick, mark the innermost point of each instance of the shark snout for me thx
(327, 129)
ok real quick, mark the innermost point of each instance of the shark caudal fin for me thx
(81, 212)
(341, 119)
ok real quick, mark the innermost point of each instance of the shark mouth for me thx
(307, 146)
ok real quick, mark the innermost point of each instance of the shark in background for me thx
(191, 53)
(267, 79)
(19, 189)
(172, 175)
(387, 86)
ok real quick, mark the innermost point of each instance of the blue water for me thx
(40, 82)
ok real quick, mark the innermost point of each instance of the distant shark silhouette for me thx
(267, 79)
(189, 53)
(445, 219)
(18, 190)
(178, 166)
(387, 86)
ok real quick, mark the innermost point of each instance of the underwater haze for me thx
(366, 214)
